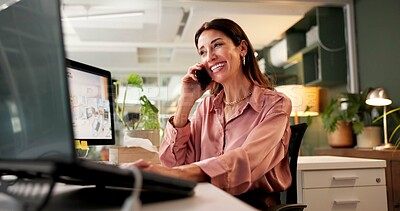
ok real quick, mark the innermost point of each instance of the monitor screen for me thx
(91, 103)
(35, 120)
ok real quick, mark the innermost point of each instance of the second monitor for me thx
(91, 103)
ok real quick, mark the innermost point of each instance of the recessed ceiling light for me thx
(105, 16)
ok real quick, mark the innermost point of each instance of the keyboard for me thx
(155, 187)
(102, 184)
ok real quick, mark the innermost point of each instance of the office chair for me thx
(289, 197)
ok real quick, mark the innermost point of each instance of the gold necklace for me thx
(239, 100)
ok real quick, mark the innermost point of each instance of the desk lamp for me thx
(305, 100)
(379, 97)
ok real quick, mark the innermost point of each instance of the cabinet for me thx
(341, 183)
(316, 48)
(392, 159)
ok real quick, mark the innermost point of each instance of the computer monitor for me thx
(35, 118)
(36, 133)
(91, 103)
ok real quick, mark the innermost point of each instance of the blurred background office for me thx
(154, 38)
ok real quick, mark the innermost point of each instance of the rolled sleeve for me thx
(174, 145)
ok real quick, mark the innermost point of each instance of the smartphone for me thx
(203, 78)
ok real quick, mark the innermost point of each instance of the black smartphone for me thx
(203, 78)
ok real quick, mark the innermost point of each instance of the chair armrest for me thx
(287, 207)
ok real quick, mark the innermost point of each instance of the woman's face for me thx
(220, 56)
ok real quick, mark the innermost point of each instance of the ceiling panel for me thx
(113, 43)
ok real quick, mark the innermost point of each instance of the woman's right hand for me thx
(191, 90)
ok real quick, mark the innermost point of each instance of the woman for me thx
(238, 137)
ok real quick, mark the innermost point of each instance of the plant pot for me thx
(152, 135)
(342, 137)
(371, 136)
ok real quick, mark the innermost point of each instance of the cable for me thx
(133, 203)
(314, 32)
(332, 50)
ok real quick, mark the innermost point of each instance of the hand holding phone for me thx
(203, 78)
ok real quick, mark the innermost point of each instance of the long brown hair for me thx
(231, 29)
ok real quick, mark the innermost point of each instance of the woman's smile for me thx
(218, 67)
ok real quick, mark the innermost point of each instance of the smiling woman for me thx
(238, 136)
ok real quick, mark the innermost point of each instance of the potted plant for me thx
(371, 133)
(147, 125)
(341, 121)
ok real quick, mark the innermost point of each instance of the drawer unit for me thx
(343, 178)
(366, 198)
(392, 170)
(341, 183)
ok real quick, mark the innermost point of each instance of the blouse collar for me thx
(255, 100)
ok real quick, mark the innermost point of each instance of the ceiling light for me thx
(104, 16)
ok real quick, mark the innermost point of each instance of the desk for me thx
(341, 183)
(392, 158)
(207, 197)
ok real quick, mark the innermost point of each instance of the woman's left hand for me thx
(190, 171)
(156, 168)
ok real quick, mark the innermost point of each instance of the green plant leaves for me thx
(148, 115)
(148, 119)
(396, 119)
(135, 80)
(346, 108)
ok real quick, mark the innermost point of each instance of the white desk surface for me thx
(336, 162)
(207, 197)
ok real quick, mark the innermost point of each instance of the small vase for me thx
(342, 137)
(370, 137)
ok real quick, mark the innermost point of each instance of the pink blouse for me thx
(247, 152)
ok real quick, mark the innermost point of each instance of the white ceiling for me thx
(150, 44)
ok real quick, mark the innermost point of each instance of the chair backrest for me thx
(290, 195)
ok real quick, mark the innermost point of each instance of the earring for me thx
(244, 60)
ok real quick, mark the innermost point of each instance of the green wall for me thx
(378, 45)
(378, 49)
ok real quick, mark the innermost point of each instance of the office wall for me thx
(378, 45)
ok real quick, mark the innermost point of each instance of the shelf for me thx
(324, 62)
(312, 66)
